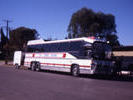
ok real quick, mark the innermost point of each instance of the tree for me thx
(18, 39)
(85, 22)
(3, 41)
(113, 39)
(20, 36)
(3, 38)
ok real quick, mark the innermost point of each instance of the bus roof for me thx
(87, 39)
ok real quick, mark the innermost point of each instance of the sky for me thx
(51, 17)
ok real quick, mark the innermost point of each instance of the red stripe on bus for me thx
(59, 64)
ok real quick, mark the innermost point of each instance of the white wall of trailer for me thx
(17, 58)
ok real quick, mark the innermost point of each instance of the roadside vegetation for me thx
(83, 23)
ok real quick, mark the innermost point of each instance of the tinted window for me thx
(74, 46)
(34, 48)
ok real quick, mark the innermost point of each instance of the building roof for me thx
(123, 48)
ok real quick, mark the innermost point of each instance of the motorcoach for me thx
(87, 55)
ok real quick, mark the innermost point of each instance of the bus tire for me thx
(33, 66)
(75, 70)
(37, 67)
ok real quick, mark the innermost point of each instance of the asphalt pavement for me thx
(28, 85)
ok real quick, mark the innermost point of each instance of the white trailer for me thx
(17, 60)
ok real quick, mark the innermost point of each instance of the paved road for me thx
(28, 85)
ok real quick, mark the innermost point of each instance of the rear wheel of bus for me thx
(33, 66)
(75, 70)
(37, 68)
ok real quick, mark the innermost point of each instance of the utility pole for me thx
(7, 27)
(7, 34)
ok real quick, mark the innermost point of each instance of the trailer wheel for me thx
(17, 66)
(33, 66)
(75, 70)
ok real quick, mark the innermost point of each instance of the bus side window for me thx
(29, 48)
(41, 48)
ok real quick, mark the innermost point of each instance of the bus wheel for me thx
(38, 67)
(33, 66)
(75, 70)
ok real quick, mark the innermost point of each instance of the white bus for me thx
(77, 56)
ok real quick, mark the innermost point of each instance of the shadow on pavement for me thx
(125, 78)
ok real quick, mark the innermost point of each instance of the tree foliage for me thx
(20, 36)
(3, 41)
(18, 39)
(113, 39)
(85, 22)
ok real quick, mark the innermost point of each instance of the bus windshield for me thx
(101, 50)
